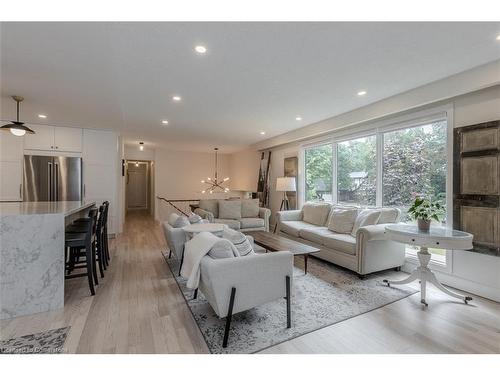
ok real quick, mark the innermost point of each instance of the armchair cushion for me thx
(249, 208)
(206, 215)
(316, 213)
(194, 218)
(230, 209)
(181, 222)
(239, 240)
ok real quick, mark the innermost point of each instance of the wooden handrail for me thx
(169, 201)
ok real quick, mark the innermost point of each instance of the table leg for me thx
(306, 257)
(424, 274)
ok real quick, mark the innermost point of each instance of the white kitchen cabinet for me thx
(100, 171)
(54, 138)
(11, 167)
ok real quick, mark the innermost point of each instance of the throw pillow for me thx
(172, 218)
(365, 217)
(250, 208)
(210, 205)
(342, 220)
(389, 215)
(194, 219)
(181, 221)
(230, 209)
(223, 249)
(239, 240)
(316, 213)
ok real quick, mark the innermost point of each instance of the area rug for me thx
(326, 295)
(48, 342)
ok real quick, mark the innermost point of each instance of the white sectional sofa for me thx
(363, 250)
(244, 215)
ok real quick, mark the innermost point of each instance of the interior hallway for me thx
(138, 308)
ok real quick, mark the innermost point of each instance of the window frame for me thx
(378, 129)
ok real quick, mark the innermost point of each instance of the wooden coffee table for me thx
(274, 242)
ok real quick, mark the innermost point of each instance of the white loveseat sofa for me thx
(365, 251)
(243, 215)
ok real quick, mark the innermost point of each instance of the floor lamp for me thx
(285, 184)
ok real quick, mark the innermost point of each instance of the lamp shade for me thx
(285, 184)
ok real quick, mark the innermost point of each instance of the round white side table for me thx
(436, 237)
(213, 228)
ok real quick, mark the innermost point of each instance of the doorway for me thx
(139, 186)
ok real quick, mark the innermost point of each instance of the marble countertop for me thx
(65, 208)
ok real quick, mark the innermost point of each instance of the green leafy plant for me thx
(426, 210)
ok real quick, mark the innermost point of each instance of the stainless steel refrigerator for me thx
(52, 178)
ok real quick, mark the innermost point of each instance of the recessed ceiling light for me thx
(262, 133)
(141, 146)
(298, 118)
(361, 93)
(164, 122)
(176, 98)
(498, 37)
(42, 116)
(200, 49)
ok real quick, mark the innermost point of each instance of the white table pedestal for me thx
(424, 274)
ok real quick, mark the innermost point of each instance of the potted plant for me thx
(423, 210)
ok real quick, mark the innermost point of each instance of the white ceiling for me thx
(255, 76)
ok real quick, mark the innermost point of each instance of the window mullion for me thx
(334, 173)
(379, 185)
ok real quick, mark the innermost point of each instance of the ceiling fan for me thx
(17, 127)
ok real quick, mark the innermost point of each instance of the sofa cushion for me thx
(210, 205)
(316, 213)
(314, 234)
(252, 222)
(388, 215)
(293, 227)
(223, 249)
(230, 209)
(249, 208)
(233, 224)
(365, 217)
(340, 242)
(342, 220)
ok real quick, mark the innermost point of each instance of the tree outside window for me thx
(318, 173)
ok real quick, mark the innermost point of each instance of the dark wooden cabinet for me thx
(476, 184)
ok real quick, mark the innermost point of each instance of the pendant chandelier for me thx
(17, 127)
(214, 185)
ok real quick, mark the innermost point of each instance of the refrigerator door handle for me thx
(49, 181)
(56, 180)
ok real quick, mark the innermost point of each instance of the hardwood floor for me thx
(139, 309)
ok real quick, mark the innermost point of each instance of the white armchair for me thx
(233, 285)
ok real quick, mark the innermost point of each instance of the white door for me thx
(68, 139)
(137, 186)
(43, 139)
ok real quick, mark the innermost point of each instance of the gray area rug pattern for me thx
(48, 342)
(326, 295)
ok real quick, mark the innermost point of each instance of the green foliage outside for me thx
(414, 164)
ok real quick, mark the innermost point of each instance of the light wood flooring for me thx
(138, 308)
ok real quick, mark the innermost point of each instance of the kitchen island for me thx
(32, 254)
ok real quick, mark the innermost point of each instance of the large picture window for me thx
(318, 173)
(389, 168)
(357, 171)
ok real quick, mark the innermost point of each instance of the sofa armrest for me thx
(371, 233)
(265, 213)
(204, 214)
(292, 215)
(257, 278)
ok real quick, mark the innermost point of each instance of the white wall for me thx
(179, 175)
(475, 273)
(244, 170)
(133, 153)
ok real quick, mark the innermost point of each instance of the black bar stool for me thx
(77, 242)
(105, 232)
